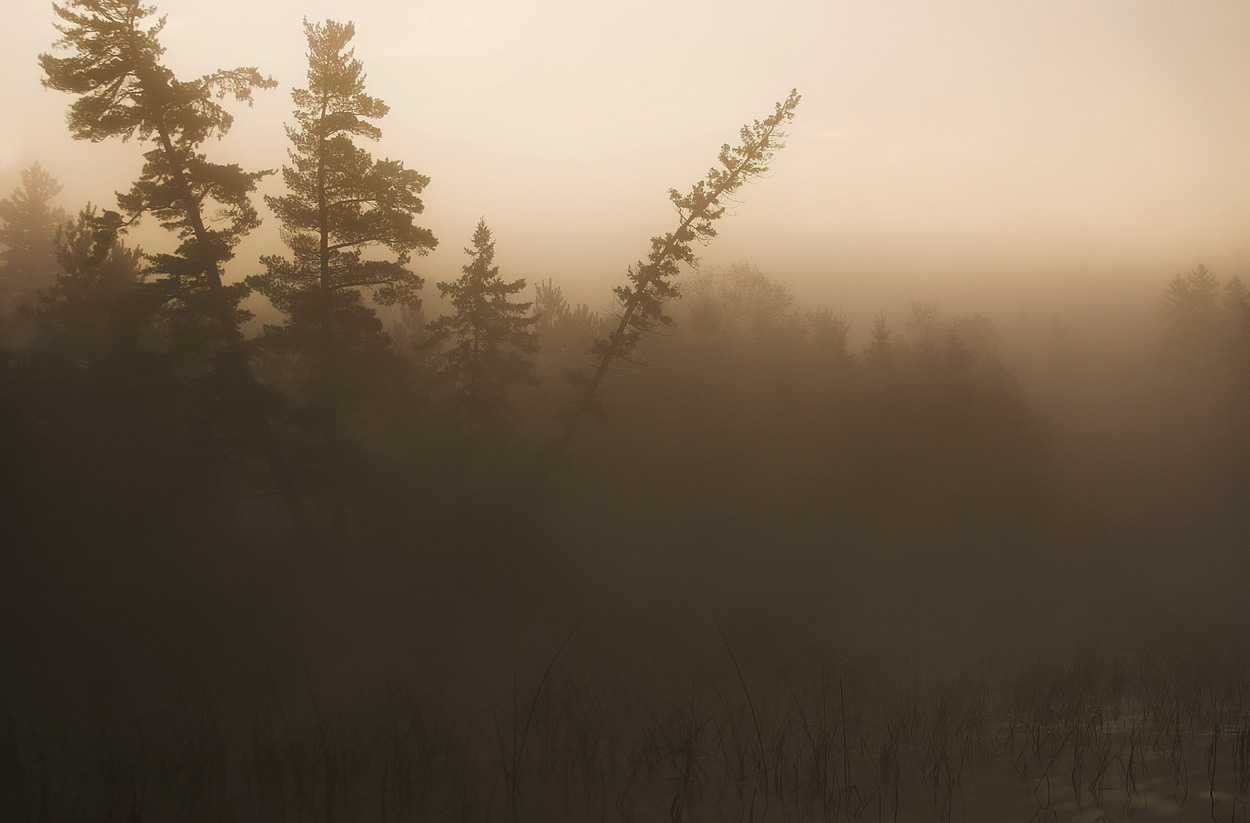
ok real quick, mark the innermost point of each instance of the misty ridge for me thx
(309, 536)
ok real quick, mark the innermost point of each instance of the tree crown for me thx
(122, 87)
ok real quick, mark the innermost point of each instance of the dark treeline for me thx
(365, 490)
(929, 477)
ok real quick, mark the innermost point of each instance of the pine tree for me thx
(340, 205)
(550, 309)
(926, 331)
(1191, 309)
(1235, 310)
(123, 90)
(880, 352)
(94, 307)
(490, 335)
(651, 283)
(564, 330)
(28, 225)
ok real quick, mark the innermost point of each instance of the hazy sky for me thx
(937, 142)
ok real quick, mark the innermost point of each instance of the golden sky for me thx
(937, 143)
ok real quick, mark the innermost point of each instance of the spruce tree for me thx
(1235, 310)
(879, 354)
(491, 337)
(28, 225)
(123, 90)
(349, 222)
(1191, 310)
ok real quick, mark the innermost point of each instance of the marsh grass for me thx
(1120, 738)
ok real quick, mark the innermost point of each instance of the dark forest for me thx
(314, 537)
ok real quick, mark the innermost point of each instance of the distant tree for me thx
(926, 333)
(880, 351)
(91, 309)
(123, 90)
(96, 264)
(409, 332)
(1191, 309)
(492, 338)
(342, 208)
(563, 329)
(28, 224)
(549, 307)
(1235, 308)
(739, 303)
(830, 335)
(564, 332)
(976, 335)
(651, 283)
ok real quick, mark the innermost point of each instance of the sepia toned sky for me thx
(970, 147)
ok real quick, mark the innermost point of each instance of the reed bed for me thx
(1102, 738)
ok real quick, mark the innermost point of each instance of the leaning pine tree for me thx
(340, 205)
(124, 90)
(651, 283)
(491, 338)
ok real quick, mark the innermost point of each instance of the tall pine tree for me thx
(491, 337)
(349, 222)
(123, 90)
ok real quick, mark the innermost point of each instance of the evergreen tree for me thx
(91, 309)
(880, 352)
(490, 335)
(550, 309)
(926, 333)
(1191, 309)
(977, 336)
(651, 283)
(340, 205)
(409, 333)
(28, 225)
(564, 330)
(1236, 311)
(123, 90)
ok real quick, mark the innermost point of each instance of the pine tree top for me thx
(123, 89)
(341, 203)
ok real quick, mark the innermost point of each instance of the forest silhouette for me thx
(493, 555)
